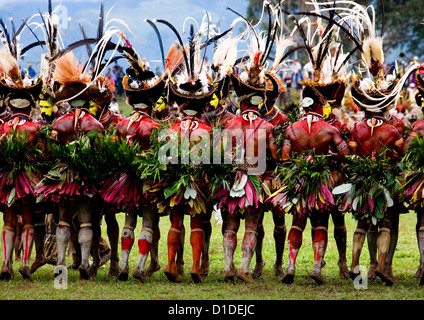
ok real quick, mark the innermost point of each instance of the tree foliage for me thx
(402, 21)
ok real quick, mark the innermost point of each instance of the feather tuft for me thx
(70, 70)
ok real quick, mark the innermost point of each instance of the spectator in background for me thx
(297, 76)
(116, 66)
(31, 71)
(114, 106)
(118, 81)
(284, 99)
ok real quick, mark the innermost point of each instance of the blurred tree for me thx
(403, 24)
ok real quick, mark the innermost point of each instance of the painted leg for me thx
(383, 244)
(127, 241)
(294, 245)
(248, 248)
(8, 241)
(154, 253)
(319, 244)
(144, 243)
(95, 242)
(196, 241)
(358, 243)
(232, 224)
(63, 235)
(252, 220)
(85, 238)
(180, 252)
(27, 239)
(173, 242)
(230, 245)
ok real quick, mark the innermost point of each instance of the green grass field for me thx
(267, 287)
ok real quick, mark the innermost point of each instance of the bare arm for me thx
(287, 147)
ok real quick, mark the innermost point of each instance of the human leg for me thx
(127, 241)
(173, 242)
(232, 225)
(294, 244)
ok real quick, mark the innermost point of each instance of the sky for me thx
(132, 12)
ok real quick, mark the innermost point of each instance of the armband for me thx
(341, 145)
(287, 142)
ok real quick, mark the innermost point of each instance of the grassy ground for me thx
(267, 287)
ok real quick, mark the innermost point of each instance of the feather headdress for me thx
(251, 79)
(192, 84)
(74, 75)
(19, 92)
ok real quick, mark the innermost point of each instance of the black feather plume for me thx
(191, 46)
(101, 23)
(179, 40)
(159, 39)
(32, 45)
(87, 46)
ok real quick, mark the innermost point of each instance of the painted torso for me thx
(67, 130)
(138, 127)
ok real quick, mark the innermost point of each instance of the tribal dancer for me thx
(250, 138)
(378, 141)
(49, 111)
(273, 115)
(378, 144)
(413, 186)
(77, 88)
(192, 89)
(312, 132)
(17, 185)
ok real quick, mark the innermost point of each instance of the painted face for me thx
(94, 108)
(46, 108)
(160, 104)
(214, 101)
(326, 110)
